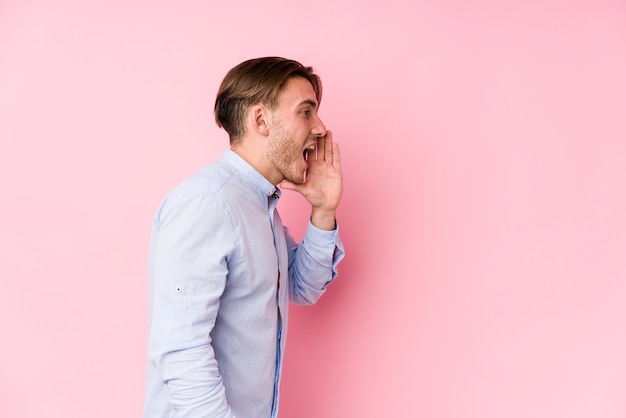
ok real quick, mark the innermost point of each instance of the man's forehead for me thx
(298, 90)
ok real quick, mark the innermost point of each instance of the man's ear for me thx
(259, 115)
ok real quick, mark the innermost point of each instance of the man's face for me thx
(295, 129)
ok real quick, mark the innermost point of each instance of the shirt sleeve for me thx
(190, 246)
(313, 263)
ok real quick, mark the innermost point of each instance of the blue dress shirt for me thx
(222, 270)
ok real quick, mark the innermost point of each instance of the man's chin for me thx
(295, 180)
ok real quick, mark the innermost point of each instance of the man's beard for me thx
(285, 154)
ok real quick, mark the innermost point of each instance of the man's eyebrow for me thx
(309, 102)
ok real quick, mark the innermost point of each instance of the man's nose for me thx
(319, 129)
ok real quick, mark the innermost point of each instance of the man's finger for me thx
(328, 147)
(336, 161)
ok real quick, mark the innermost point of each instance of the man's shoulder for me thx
(202, 187)
(209, 180)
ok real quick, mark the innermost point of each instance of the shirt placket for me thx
(278, 243)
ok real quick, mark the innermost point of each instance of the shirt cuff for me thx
(321, 241)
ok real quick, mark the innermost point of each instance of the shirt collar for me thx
(250, 173)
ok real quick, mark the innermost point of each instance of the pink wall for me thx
(484, 149)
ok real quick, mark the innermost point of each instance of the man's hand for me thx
(324, 183)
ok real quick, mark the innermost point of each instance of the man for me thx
(222, 266)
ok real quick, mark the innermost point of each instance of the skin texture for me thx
(277, 140)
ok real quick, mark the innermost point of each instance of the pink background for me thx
(483, 147)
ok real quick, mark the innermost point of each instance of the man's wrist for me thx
(323, 219)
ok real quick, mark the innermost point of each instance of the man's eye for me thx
(306, 113)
